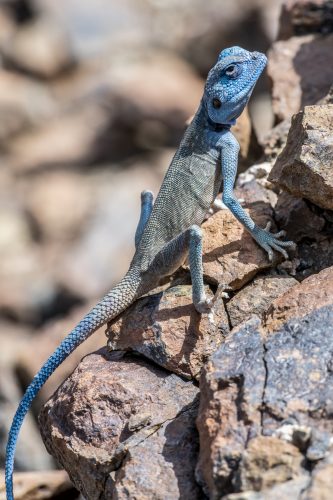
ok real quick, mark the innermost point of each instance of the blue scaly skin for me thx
(168, 230)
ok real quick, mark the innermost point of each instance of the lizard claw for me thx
(269, 241)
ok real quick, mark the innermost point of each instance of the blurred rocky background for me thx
(94, 98)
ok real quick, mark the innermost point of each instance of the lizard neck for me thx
(203, 122)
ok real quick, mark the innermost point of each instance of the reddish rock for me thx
(256, 297)
(313, 293)
(231, 389)
(166, 328)
(268, 461)
(107, 406)
(230, 254)
(266, 400)
(161, 467)
(304, 168)
(301, 72)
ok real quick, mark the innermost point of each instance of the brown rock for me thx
(304, 167)
(23, 102)
(295, 216)
(300, 17)
(314, 292)
(268, 461)
(231, 388)
(107, 406)
(161, 467)
(166, 328)
(40, 486)
(275, 140)
(322, 481)
(40, 47)
(270, 382)
(230, 254)
(256, 297)
(301, 72)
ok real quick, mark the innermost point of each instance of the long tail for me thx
(118, 299)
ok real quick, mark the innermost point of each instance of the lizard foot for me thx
(204, 306)
(269, 241)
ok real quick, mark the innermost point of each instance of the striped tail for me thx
(118, 299)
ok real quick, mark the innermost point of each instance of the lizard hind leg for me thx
(172, 256)
(147, 199)
(200, 301)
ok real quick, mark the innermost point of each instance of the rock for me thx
(322, 482)
(230, 254)
(314, 256)
(256, 297)
(139, 102)
(300, 17)
(275, 140)
(59, 202)
(166, 328)
(111, 404)
(40, 486)
(295, 216)
(40, 47)
(313, 293)
(304, 168)
(23, 103)
(266, 387)
(300, 72)
(162, 466)
(231, 389)
(26, 287)
(268, 461)
(245, 135)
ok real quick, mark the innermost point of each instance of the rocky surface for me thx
(166, 328)
(301, 72)
(231, 256)
(93, 101)
(304, 167)
(95, 424)
(265, 407)
(256, 297)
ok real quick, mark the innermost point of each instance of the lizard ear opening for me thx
(216, 103)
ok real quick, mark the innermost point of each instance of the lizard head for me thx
(230, 83)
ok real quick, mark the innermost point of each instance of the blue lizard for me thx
(168, 229)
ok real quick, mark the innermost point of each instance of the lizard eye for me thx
(232, 71)
(216, 103)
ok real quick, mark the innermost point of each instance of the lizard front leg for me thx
(268, 241)
(147, 199)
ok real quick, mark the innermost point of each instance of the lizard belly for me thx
(189, 188)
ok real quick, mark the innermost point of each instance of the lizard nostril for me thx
(216, 103)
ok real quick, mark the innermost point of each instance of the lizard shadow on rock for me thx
(315, 78)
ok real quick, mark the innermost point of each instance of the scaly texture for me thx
(168, 230)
